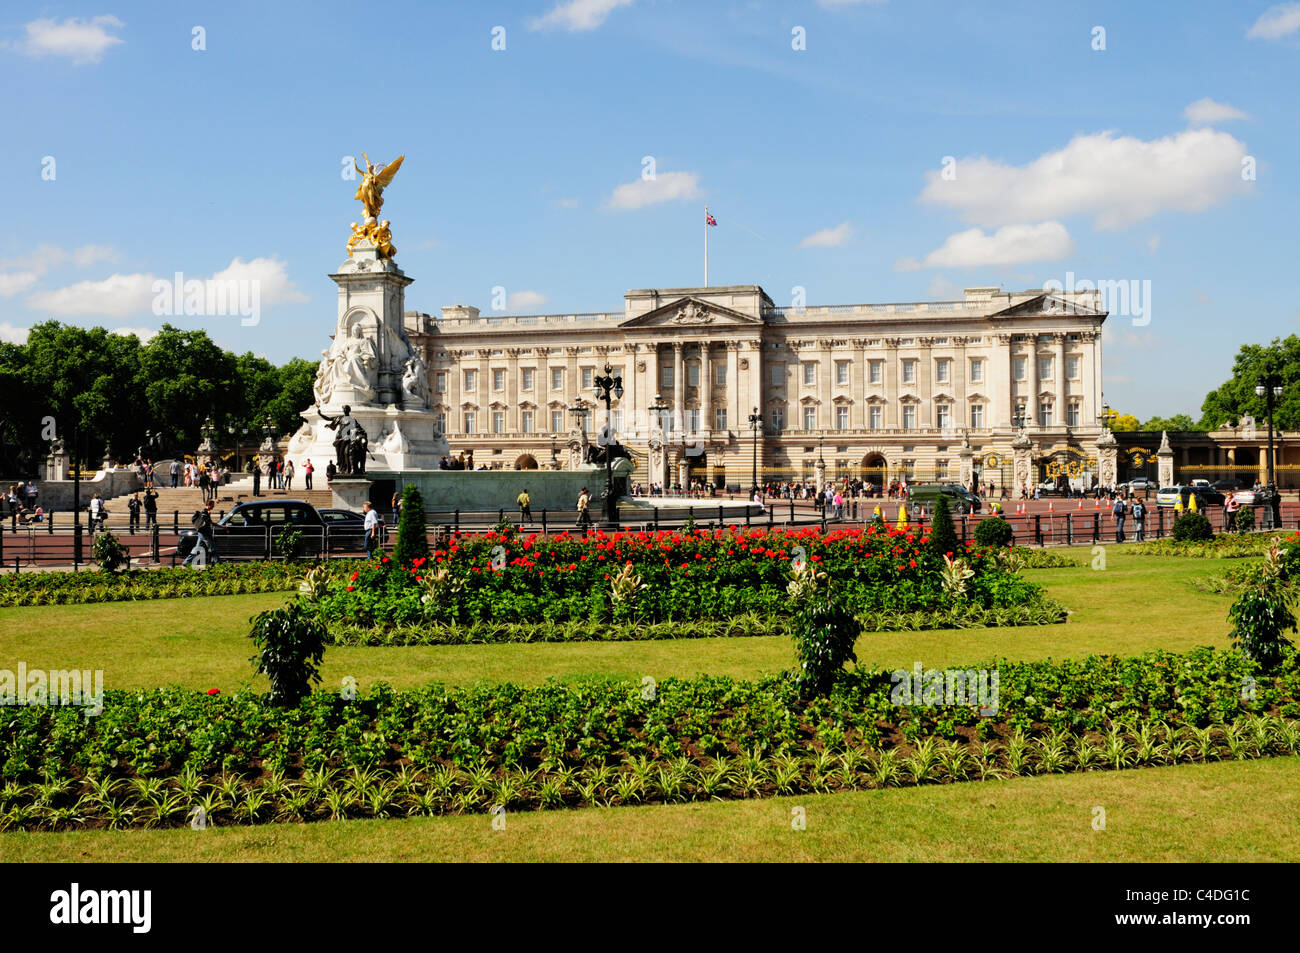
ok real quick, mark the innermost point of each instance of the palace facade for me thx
(921, 391)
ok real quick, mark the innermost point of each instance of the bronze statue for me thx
(350, 441)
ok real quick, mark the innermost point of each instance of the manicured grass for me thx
(1189, 813)
(1135, 604)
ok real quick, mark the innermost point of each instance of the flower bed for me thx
(153, 758)
(64, 588)
(1223, 546)
(661, 577)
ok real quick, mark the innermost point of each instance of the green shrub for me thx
(291, 644)
(109, 554)
(824, 632)
(943, 536)
(1245, 519)
(288, 542)
(994, 531)
(1192, 528)
(412, 537)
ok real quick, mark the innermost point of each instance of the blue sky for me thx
(825, 166)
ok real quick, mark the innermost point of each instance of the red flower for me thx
(214, 691)
(350, 588)
(912, 563)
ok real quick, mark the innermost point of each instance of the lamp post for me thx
(237, 435)
(1269, 386)
(658, 408)
(1107, 416)
(755, 422)
(609, 386)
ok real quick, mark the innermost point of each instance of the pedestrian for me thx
(257, 476)
(331, 471)
(205, 548)
(396, 505)
(204, 483)
(1230, 507)
(98, 512)
(1139, 514)
(584, 515)
(133, 514)
(175, 471)
(288, 475)
(371, 527)
(1120, 512)
(525, 510)
(307, 471)
(150, 508)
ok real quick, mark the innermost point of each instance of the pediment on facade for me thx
(692, 312)
(842, 399)
(1047, 304)
(807, 401)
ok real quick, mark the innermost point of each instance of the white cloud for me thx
(524, 301)
(664, 187)
(1276, 22)
(1120, 181)
(81, 41)
(577, 15)
(44, 257)
(941, 289)
(144, 334)
(1206, 111)
(12, 335)
(829, 237)
(121, 296)
(88, 255)
(16, 283)
(1009, 245)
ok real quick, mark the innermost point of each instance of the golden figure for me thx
(378, 234)
(374, 180)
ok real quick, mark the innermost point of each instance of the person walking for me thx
(1230, 507)
(175, 471)
(150, 508)
(204, 483)
(98, 512)
(525, 506)
(205, 548)
(371, 527)
(1139, 513)
(584, 515)
(288, 475)
(307, 471)
(396, 505)
(133, 514)
(1120, 511)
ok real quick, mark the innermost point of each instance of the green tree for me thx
(184, 376)
(1124, 423)
(1236, 396)
(412, 536)
(1176, 422)
(943, 536)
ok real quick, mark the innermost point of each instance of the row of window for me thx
(691, 418)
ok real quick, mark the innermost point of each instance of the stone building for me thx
(922, 391)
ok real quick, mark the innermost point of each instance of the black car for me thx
(1205, 495)
(1228, 486)
(250, 530)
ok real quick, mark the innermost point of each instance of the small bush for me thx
(291, 644)
(412, 537)
(109, 554)
(1245, 519)
(994, 531)
(1192, 528)
(943, 537)
(288, 542)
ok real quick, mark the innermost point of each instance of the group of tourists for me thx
(462, 461)
(23, 503)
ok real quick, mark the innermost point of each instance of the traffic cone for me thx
(1097, 505)
(902, 516)
(1191, 503)
(1051, 507)
(1080, 506)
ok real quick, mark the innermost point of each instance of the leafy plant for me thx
(288, 542)
(824, 633)
(994, 531)
(1245, 519)
(943, 536)
(108, 552)
(412, 536)
(1192, 528)
(955, 574)
(1262, 616)
(291, 645)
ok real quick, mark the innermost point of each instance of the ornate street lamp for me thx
(609, 386)
(658, 408)
(755, 422)
(1107, 416)
(1269, 386)
(237, 435)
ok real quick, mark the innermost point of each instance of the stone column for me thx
(893, 414)
(826, 381)
(1059, 359)
(679, 387)
(1022, 461)
(1165, 461)
(456, 392)
(1002, 400)
(1031, 373)
(858, 386)
(573, 384)
(706, 389)
(1107, 459)
(632, 406)
(734, 410)
(514, 417)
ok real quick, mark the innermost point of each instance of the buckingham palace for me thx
(941, 390)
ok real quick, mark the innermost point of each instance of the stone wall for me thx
(478, 490)
(56, 495)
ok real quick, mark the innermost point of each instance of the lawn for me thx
(1135, 604)
(1188, 813)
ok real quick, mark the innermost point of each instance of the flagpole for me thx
(706, 246)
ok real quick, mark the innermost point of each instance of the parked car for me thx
(1140, 484)
(244, 531)
(1205, 496)
(1227, 486)
(1246, 497)
(960, 499)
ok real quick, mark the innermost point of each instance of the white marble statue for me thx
(355, 367)
(415, 382)
(394, 441)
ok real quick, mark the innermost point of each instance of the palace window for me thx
(778, 419)
(977, 416)
(471, 380)
(588, 375)
(977, 370)
(1045, 413)
(557, 421)
(720, 374)
(909, 416)
(941, 370)
(809, 372)
(1072, 367)
(909, 371)
(498, 421)
(557, 378)
(692, 420)
(616, 421)
(442, 423)
(441, 384)
(940, 470)
(1072, 414)
(526, 421)
(875, 372)
(527, 378)
(842, 373)
(909, 470)
(693, 374)
(1018, 368)
(470, 418)
(942, 416)
(778, 375)
(666, 376)
(720, 418)
(874, 417)
(810, 418)
(498, 379)
(841, 418)
(1045, 368)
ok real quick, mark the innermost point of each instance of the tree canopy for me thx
(117, 388)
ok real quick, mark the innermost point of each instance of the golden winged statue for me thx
(374, 179)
